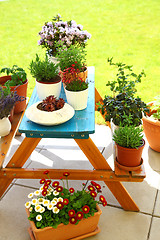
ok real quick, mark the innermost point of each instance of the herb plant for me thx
(128, 136)
(54, 204)
(44, 70)
(18, 75)
(76, 85)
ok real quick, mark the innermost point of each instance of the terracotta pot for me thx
(64, 232)
(130, 157)
(78, 100)
(45, 89)
(21, 91)
(82, 75)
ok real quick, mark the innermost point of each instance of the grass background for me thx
(128, 31)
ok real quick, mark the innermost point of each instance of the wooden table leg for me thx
(18, 160)
(99, 162)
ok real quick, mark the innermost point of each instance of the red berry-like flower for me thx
(71, 190)
(79, 215)
(46, 172)
(59, 189)
(75, 61)
(71, 213)
(104, 203)
(48, 182)
(93, 183)
(44, 192)
(66, 174)
(42, 181)
(65, 201)
(102, 198)
(60, 205)
(73, 220)
(73, 65)
(91, 188)
(93, 194)
(55, 184)
(85, 209)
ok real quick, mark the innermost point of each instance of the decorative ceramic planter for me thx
(45, 89)
(69, 231)
(5, 126)
(78, 100)
(21, 91)
(129, 157)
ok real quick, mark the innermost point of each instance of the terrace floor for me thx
(115, 223)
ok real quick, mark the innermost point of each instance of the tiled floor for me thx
(115, 223)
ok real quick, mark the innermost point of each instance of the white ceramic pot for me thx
(5, 126)
(46, 89)
(78, 100)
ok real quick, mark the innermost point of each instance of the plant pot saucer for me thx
(128, 168)
(97, 230)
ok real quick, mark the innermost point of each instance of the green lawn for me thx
(127, 30)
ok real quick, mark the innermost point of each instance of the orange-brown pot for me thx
(69, 231)
(21, 91)
(129, 157)
(81, 75)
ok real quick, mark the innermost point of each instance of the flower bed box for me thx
(69, 231)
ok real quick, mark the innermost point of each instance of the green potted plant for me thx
(16, 80)
(129, 146)
(7, 102)
(48, 81)
(151, 124)
(68, 32)
(60, 212)
(77, 93)
(72, 63)
(123, 102)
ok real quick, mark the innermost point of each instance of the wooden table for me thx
(79, 128)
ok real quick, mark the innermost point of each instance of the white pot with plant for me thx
(48, 81)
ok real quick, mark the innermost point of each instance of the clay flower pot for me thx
(82, 75)
(21, 91)
(86, 227)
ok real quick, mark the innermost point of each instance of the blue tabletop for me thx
(79, 127)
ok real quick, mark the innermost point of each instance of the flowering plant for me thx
(7, 101)
(53, 204)
(68, 32)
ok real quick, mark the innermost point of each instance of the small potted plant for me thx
(16, 80)
(7, 102)
(57, 211)
(72, 63)
(151, 124)
(50, 111)
(129, 146)
(68, 32)
(48, 81)
(77, 93)
(123, 103)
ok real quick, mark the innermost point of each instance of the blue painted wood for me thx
(79, 127)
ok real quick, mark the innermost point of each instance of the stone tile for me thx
(157, 206)
(13, 219)
(155, 230)
(121, 225)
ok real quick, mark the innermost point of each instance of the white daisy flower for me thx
(46, 202)
(37, 208)
(41, 188)
(42, 209)
(30, 195)
(40, 200)
(38, 217)
(34, 201)
(50, 206)
(60, 199)
(53, 202)
(55, 193)
(37, 193)
(55, 210)
(48, 193)
(28, 204)
(50, 189)
(30, 209)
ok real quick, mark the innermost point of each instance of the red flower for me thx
(55, 184)
(71, 213)
(72, 220)
(60, 205)
(102, 198)
(93, 194)
(65, 201)
(46, 172)
(73, 65)
(104, 203)
(98, 187)
(66, 174)
(42, 181)
(93, 183)
(79, 215)
(91, 188)
(59, 189)
(44, 192)
(48, 182)
(85, 209)
(71, 190)
(75, 61)
(45, 186)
